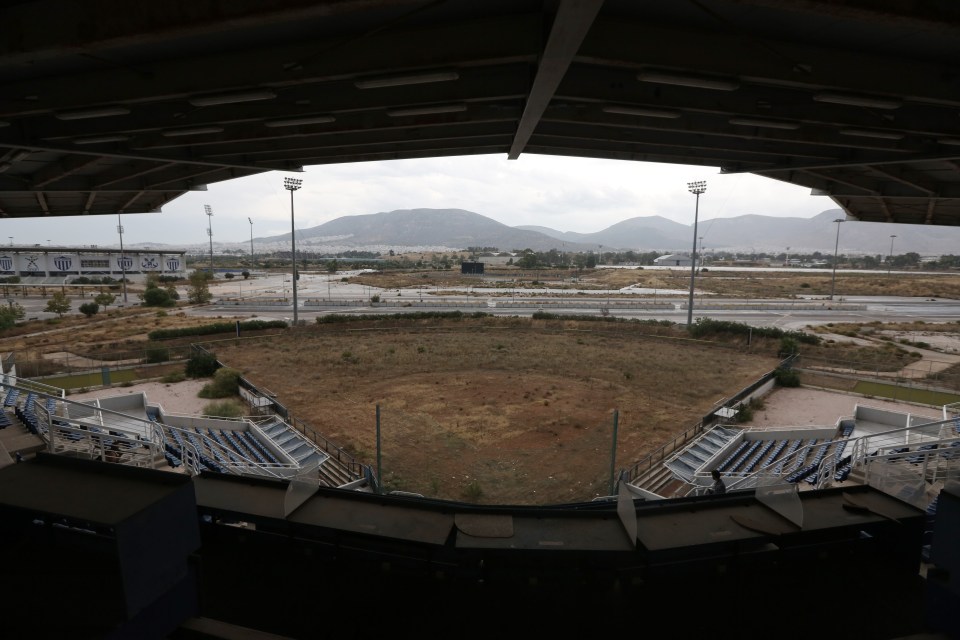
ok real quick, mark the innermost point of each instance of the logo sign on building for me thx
(32, 263)
(149, 262)
(125, 262)
(62, 262)
(173, 264)
(6, 263)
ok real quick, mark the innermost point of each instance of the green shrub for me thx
(473, 491)
(224, 409)
(226, 383)
(707, 326)
(157, 354)
(202, 365)
(216, 327)
(89, 309)
(786, 377)
(176, 376)
(788, 346)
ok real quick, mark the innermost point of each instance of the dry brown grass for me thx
(520, 409)
(751, 284)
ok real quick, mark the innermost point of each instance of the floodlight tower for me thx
(209, 212)
(250, 220)
(291, 185)
(123, 266)
(890, 260)
(833, 281)
(696, 188)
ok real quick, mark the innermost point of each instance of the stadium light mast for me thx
(123, 265)
(696, 188)
(833, 282)
(890, 260)
(209, 212)
(250, 220)
(291, 185)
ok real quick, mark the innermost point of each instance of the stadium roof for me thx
(105, 109)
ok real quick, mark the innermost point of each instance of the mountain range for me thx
(409, 230)
(457, 229)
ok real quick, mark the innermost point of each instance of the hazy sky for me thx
(567, 194)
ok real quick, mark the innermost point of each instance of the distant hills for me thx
(407, 230)
(452, 229)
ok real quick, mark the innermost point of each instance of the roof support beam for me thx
(570, 27)
(56, 171)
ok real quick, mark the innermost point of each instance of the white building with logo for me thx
(72, 262)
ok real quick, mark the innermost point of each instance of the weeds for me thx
(224, 409)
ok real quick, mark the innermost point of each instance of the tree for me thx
(105, 300)
(89, 308)
(58, 304)
(246, 275)
(10, 315)
(156, 297)
(228, 276)
(199, 291)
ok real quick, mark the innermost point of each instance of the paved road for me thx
(319, 295)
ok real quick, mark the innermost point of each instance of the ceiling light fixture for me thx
(191, 132)
(232, 98)
(642, 111)
(765, 124)
(867, 133)
(101, 139)
(294, 122)
(407, 80)
(697, 82)
(425, 111)
(857, 101)
(94, 112)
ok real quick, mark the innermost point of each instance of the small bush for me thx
(788, 346)
(226, 383)
(176, 376)
(224, 409)
(786, 377)
(472, 491)
(202, 365)
(89, 309)
(157, 354)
